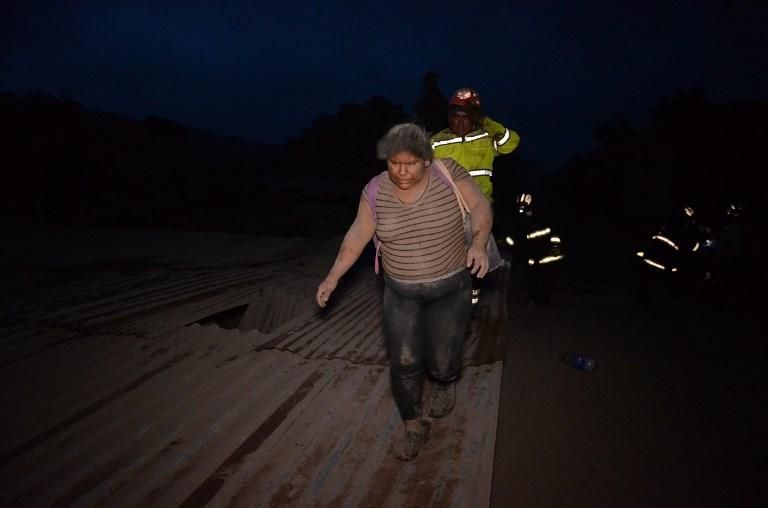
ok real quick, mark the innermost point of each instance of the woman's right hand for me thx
(477, 260)
(324, 291)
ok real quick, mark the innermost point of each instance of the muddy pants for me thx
(425, 325)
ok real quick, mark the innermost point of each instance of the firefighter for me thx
(473, 140)
(675, 246)
(733, 235)
(539, 249)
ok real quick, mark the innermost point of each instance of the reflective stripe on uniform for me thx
(459, 139)
(478, 136)
(446, 142)
(480, 172)
(538, 233)
(654, 264)
(665, 240)
(504, 138)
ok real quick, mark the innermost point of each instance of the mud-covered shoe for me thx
(443, 399)
(408, 444)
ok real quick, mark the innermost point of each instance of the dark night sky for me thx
(265, 70)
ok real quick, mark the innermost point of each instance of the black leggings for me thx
(425, 325)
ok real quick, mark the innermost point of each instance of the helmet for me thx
(524, 202)
(465, 97)
(734, 211)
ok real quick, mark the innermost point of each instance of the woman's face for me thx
(405, 169)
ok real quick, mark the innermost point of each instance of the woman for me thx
(427, 287)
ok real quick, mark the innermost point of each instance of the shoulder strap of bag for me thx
(494, 257)
(445, 176)
(370, 193)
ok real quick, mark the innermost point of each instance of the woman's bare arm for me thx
(482, 222)
(358, 235)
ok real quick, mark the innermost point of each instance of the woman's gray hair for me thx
(405, 137)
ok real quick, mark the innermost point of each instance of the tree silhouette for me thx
(683, 102)
(431, 108)
(614, 131)
(64, 164)
(343, 146)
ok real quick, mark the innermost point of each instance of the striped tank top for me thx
(424, 240)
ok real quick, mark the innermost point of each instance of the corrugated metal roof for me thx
(196, 415)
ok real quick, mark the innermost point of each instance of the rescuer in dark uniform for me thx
(535, 244)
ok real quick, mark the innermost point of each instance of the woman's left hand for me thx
(482, 223)
(477, 260)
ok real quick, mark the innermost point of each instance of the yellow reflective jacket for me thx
(476, 150)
